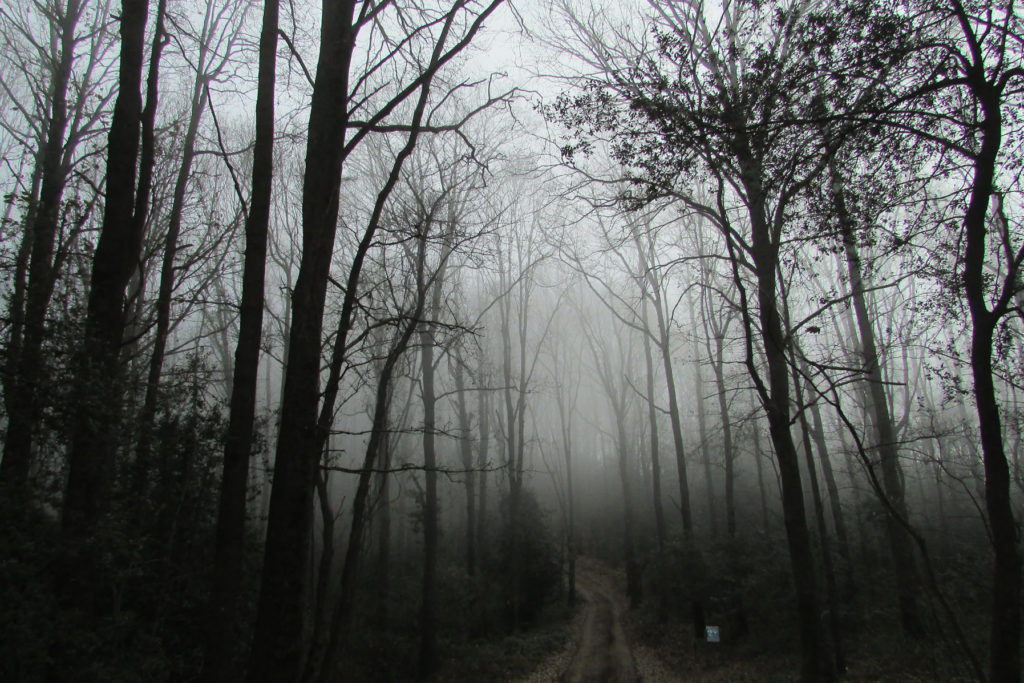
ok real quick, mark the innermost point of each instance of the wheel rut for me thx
(603, 654)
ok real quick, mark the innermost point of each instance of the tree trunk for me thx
(24, 404)
(168, 277)
(466, 456)
(664, 345)
(705, 452)
(277, 649)
(652, 417)
(98, 376)
(727, 448)
(16, 302)
(838, 520)
(230, 536)
(831, 590)
(815, 665)
(634, 586)
(484, 410)
(900, 544)
(322, 666)
(1004, 653)
(427, 658)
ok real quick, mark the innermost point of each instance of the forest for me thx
(511, 340)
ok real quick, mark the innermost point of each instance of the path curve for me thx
(603, 654)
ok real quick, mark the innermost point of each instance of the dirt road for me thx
(602, 654)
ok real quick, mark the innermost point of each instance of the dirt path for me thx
(603, 654)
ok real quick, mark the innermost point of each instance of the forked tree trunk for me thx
(815, 664)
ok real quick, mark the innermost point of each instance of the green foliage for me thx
(135, 608)
(529, 539)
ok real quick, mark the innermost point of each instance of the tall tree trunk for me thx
(484, 410)
(727, 448)
(427, 659)
(466, 456)
(664, 346)
(16, 302)
(278, 639)
(634, 586)
(383, 563)
(831, 589)
(27, 360)
(705, 451)
(815, 664)
(756, 429)
(168, 275)
(322, 665)
(1004, 653)
(565, 421)
(98, 376)
(659, 513)
(900, 543)
(838, 520)
(229, 550)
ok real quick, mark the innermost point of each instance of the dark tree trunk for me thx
(230, 539)
(900, 543)
(167, 281)
(815, 664)
(322, 665)
(427, 661)
(23, 405)
(147, 161)
(756, 429)
(652, 418)
(278, 639)
(659, 512)
(16, 302)
(727, 450)
(665, 347)
(383, 561)
(484, 410)
(98, 376)
(831, 587)
(838, 520)
(1004, 653)
(634, 586)
(657, 298)
(466, 456)
(705, 451)
(565, 417)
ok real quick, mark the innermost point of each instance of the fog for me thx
(510, 341)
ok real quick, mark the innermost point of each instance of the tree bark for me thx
(427, 659)
(900, 543)
(229, 550)
(278, 640)
(98, 376)
(167, 277)
(1004, 644)
(815, 664)
(23, 407)
(466, 456)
